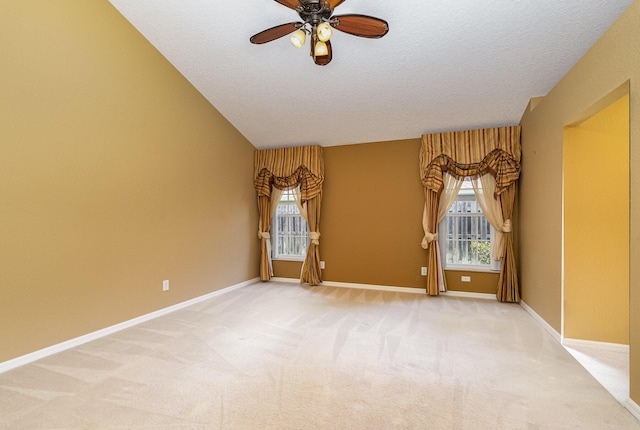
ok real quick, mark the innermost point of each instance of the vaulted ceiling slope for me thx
(444, 65)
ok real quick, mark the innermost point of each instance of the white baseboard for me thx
(287, 280)
(392, 288)
(633, 408)
(375, 287)
(359, 286)
(606, 346)
(72, 343)
(542, 322)
(469, 295)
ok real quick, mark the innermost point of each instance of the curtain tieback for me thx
(264, 235)
(506, 227)
(428, 238)
(315, 237)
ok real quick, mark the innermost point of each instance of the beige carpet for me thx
(282, 356)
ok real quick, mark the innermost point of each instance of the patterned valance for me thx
(471, 153)
(287, 167)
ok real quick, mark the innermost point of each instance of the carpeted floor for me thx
(283, 356)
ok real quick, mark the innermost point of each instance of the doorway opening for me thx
(595, 294)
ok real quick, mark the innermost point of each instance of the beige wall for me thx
(371, 220)
(115, 173)
(596, 269)
(612, 61)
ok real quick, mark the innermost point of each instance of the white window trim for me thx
(289, 258)
(442, 243)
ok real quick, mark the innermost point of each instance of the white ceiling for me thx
(444, 65)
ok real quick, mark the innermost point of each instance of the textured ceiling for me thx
(444, 65)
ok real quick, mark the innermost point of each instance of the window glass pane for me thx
(467, 232)
(289, 229)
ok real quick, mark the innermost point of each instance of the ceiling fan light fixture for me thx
(321, 49)
(298, 38)
(324, 32)
(318, 21)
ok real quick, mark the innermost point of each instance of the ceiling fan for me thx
(317, 21)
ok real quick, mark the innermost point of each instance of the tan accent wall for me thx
(612, 61)
(481, 282)
(371, 221)
(596, 193)
(288, 269)
(115, 174)
(372, 214)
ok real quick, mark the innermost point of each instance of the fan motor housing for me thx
(314, 11)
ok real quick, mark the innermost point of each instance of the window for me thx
(465, 235)
(290, 232)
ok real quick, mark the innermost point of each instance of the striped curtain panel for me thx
(284, 168)
(473, 153)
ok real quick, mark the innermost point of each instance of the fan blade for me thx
(325, 59)
(360, 25)
(274, 33)
(289, 3)
(335, 3)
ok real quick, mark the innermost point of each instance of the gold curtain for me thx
(284, 168)
(264, 209)
(473, 153)
(432, 200)
(311, 273)
(508, 283)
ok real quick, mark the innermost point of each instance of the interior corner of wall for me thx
(534, 102)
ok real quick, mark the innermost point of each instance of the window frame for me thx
(275, 233)
(467, 194)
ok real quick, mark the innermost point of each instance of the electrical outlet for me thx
(423, 271)
(322, 264)
(165, 285)
(465, 278)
